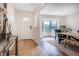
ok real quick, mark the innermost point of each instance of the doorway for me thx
(25, 27)
(48, 28)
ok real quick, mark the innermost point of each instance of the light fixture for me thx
(26, 19)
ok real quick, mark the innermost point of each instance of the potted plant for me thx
(65, 28)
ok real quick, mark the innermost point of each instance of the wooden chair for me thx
(56, 33)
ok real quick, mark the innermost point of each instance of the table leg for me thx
(8, 53)
(16, 46)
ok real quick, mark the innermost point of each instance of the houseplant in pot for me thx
(65, 28)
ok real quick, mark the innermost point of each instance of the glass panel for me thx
(49, 26)
(53, 25)
(46, 26)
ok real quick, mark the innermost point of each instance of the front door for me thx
(26, 28)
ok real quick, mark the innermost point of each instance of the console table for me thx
(5, 45)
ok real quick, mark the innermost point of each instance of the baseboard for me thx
(25, 39)
(47, 36)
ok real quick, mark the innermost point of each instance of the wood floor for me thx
(30, 48)
(68, 50)
(25, 47)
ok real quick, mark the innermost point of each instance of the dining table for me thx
(68, 35)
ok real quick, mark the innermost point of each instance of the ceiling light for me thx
(26, 19)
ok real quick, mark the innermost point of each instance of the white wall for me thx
(21, 29)
(72, 21)
(61, 20)
(11, 17)
(36, 28)
(36, 33)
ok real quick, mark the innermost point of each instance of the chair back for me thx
(58, 30)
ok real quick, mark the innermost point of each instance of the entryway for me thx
(24, 26)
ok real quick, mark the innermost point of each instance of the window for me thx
(48, 26)
(53, 25)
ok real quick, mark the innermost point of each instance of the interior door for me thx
(26, 29)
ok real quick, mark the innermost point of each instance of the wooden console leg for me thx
(8, 53)
(16, 47)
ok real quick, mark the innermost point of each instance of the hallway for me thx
(30, 48)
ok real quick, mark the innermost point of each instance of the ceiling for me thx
(49, 9)
(31, 7)
(59, 9)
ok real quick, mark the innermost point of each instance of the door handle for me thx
(30, 27)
